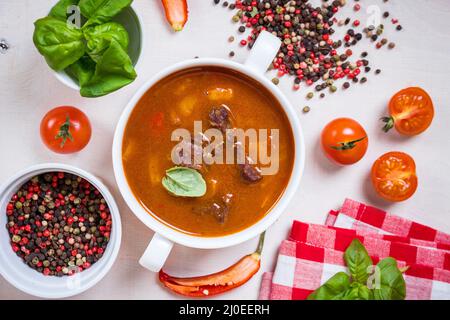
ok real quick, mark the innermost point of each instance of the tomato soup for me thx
(237, 196)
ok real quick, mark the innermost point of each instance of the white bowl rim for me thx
(222, 241)
(64, 78)
(116, 234)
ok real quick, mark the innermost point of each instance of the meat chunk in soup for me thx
(184, 154)
(250, 172)
(218, 208)
(220, 118)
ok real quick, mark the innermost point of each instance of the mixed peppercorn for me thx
(309, 51)
(59, 223)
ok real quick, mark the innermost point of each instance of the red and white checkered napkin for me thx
(314, 253)
(355, 215)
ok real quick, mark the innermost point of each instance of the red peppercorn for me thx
(243, 42)
(356, 23)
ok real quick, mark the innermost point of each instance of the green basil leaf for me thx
(358, 261)
(334, 289)
(184, 182)
(113, 71)
(99, 38)
(357, 292)
(58, 43)
(101, 11)
(82, 70)
(391, 284)
(59, 10)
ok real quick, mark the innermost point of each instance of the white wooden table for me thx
(28, 90)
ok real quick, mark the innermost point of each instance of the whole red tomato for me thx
(65, 130)
(344, 141)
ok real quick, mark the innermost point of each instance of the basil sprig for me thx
(184, 182)
(96, 54)
(389, 283)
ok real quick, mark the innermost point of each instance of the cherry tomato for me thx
(65, 130)
(344, 141)
(394, 176)
(411, 112)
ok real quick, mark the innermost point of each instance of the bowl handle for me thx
(263, 52)
(156, 253)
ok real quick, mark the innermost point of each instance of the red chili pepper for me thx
(219, 282)
(176, 13)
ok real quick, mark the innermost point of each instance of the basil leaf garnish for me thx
(392, 284)
(184, 182)
(333, 289)
(59, 10)
(101, 11)
(60, 45)
(358, 261)
(389, 282)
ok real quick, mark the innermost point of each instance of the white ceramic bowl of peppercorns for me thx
(60, 230)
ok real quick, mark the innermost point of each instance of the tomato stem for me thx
(347, 145)
(64, 132)
(389, 123)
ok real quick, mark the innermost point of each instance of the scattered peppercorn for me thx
(308, 51)
(4, 46)
(306, 109)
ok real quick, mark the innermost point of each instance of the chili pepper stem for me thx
(389, 123)
(260, 243)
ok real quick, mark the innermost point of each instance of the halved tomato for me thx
(394, 176)
(411, 112)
